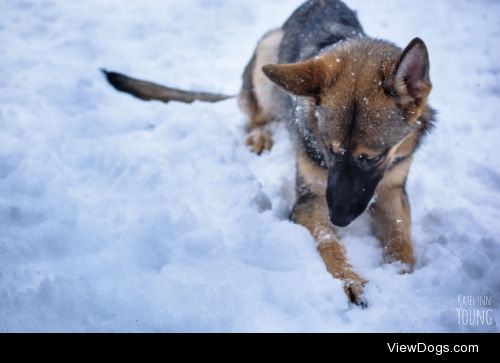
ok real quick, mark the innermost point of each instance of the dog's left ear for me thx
(302, 79)
(412, 72)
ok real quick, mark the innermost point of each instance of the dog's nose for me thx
(340, 219)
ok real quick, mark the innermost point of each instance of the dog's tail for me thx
(149, 91)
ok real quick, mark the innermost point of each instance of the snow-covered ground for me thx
(118, 215)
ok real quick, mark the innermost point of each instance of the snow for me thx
(118, 215)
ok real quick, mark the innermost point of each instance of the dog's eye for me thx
(391, 92)
(363, 158)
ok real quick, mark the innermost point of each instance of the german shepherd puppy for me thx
(356, 108)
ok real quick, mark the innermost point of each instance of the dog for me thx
(357, 110)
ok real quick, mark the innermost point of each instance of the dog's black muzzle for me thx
(350, 189)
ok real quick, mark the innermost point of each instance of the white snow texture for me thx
(118, 215)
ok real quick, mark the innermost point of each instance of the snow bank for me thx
(117, 215)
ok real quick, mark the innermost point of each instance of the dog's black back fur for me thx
(316, 25)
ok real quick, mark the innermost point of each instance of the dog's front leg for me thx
(312, 213)
(392, 225)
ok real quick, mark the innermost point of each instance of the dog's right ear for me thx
(302, 79)
(412, 72)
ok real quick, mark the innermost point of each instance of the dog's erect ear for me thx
(302, 79)
(412, 72)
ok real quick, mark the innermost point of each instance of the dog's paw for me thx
(405, 263)
(354, 291)
(259, 141)
(400, 253)
(404, 268)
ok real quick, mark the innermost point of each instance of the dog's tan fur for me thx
(258, 96)
(311, 212)
(361, 70)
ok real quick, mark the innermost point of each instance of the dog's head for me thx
(368, 98)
